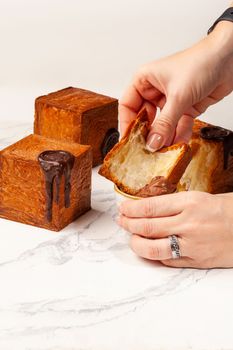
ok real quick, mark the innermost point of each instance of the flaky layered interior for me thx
(135, 167)
(197, 174)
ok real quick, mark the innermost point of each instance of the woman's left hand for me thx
(202, 222)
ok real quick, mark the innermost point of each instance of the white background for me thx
(46, 45)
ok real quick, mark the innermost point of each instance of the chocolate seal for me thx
(111, 138)
(55, 164)
(216, 133)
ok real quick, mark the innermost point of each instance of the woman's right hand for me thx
(182, 86)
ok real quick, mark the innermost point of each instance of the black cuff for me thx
(226, 16)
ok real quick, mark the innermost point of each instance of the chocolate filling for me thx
(111, 138)
(55, 164)
(216, 133)
(158, 186)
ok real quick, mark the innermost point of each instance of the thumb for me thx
(163, 127)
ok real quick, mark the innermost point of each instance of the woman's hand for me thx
(202, 222)
(182, 86)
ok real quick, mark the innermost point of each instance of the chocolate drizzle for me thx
(55, 164)
(216, 133)
(111, 138)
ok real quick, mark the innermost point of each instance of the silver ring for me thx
(175, 248)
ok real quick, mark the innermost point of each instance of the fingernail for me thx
(154, 142)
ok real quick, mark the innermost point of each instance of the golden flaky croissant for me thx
(206, 164)
(137, 171)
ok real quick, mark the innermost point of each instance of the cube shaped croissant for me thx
(45, 182)
(81, 116)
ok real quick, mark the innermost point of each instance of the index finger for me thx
(129, 106)
(159, 206)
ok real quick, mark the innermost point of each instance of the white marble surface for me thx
(83, 288)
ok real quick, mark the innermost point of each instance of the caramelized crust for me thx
(77, 115)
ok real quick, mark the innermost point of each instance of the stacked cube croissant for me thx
(45, 178)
